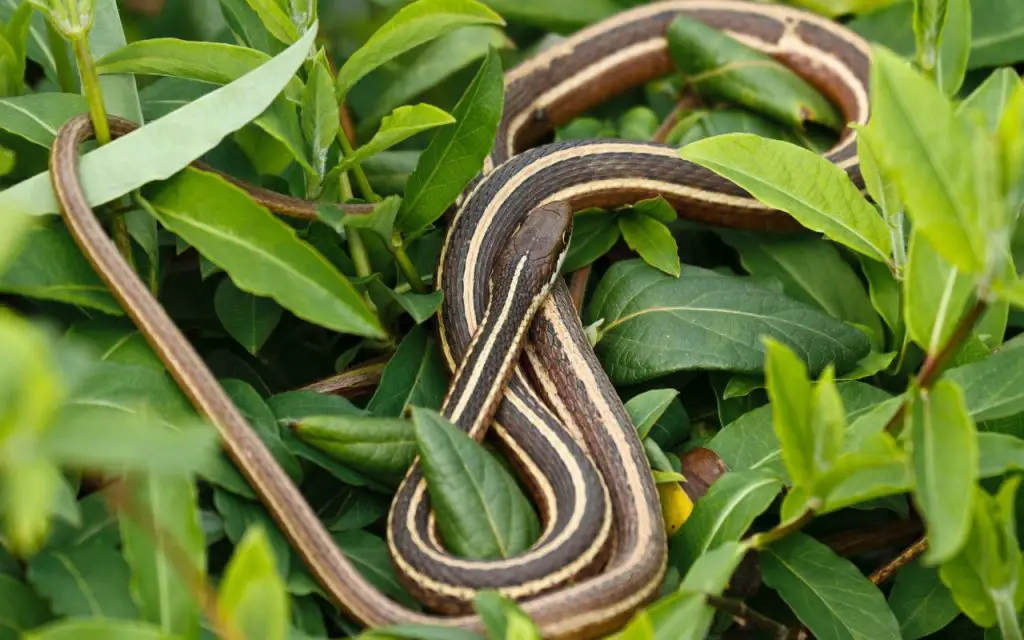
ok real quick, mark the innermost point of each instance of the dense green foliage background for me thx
(862, 381)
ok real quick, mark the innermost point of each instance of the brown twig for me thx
(686, 102)
(351, 383)
(885, 573)
(934, 365)
(119, 500)
(852, 543)
(745, 616)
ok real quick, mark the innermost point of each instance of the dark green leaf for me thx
(99, 629)
(828, 593)
(21, 608)
(415, 375)
(481, 510)
(921, 603)
(726, 316)
(594, 233)
(646, 408)
(379, 447)
(249, 319)
(88, 580)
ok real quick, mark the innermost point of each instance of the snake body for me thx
(602, 553)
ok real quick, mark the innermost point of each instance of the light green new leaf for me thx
(275, 18)
(800, 182)
(652, 241)
(404, 122)
(936, 294)
(262, 254)
(159, 150)
(415, 24)
(503, 618)
(1010, 139)
(992, 96)
(320, 120)
(73, 18)
(482, 512)
(945, 465)
(922, 142)
(252, 594)
(954, 46)
(160, 589)
(828, 593)
(456, 154)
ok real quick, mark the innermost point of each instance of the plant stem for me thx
(884, 574)
(65, 77)
(762, 540)
(406, 264)
(686, 103)
(936, 363)
(360, 258)
(745, 615)
(101, 127)
(357, 170)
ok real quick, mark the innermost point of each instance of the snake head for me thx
(540, 242)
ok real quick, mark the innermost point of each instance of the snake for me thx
(523, 368)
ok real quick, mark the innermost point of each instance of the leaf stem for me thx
(357, 169)
(406, 264)
(936, 363)
(744, 615)
(360, 257)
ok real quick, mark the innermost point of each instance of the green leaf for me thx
(828, 593)
(413, 25)
(722, 68)
(99, 629)
(936, 295)
(38, 117)
(402, 123)
(955, 47)
(159, 587)
(50, 266)
(120, 93)
(992, 96)
(438, 61)
(922, 142)
(481, 511)
(985, 577)
(88, 580)
(252, 595)
(415, 375)
(993, 387)
(945, 463)
(725, 513)
(371, 557)
(21, 608)
(212, 62)
(261, 253)
(921, 603)
(594, 233)
(503, 618)
(645, 409)
(249, 319)
(811, 271)
(456, 154)
(726, 316)
(275, 18)
(379, 447)
(800, 182)
(652, 240)
(929, 19)
(320, 122)
(158, 150)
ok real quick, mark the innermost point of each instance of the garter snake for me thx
(602, 554)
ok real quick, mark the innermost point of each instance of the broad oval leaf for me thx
(945, 464)
(402, 123)
(456, 154)
(816, 192)
(159, 150)
(828, 593)
(594, 233)
(726, 316)
(921, 603)
(252, 594)
(249, 319)
(415, 375)
(993, 387)
(415, 24)
(89, 580)
(481, 511)
(644, 409)
(652, 241)
(261, 253)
